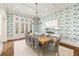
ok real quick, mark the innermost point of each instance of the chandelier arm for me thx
(36, 18)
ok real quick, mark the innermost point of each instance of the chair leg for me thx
(58, 53)
(43, 50)
(33, 47)
(38, 51)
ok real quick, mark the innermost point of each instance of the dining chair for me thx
(28, 39)
(26, 36)
(31, 41)
(53, 48)
(37, 46)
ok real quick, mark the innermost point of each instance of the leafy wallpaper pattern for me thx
(12, 19)
(9, 24)
(68, 21)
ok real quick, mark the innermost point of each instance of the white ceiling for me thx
(28, 9)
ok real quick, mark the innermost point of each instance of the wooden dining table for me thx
(44, 40)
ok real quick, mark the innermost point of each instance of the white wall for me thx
(51, 24)
(3, 23)
(0, 27)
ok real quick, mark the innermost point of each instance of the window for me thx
(26, 28)
(16, 28)
(22, 28)
(52, 24)
(30, 27)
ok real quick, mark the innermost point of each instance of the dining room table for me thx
(43, 40)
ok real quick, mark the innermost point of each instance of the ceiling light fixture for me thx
(36, 19)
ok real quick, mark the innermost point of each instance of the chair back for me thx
(36, 42)
(53, 46)
(26, 35)
(58, 41)
(57, 44)
(31, 40)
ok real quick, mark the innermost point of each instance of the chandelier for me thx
(36, 19)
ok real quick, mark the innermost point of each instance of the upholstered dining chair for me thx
(53, 48)
(26, 36)
(31, 41)
(37, 46)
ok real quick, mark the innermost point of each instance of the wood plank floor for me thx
(12, 48)
(8, 49)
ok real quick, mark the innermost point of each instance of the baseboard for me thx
(15, 39)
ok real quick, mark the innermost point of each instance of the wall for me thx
(7, 25)
(3, 24)
(14, 19)
(49, 18)
(50, 25)
(68, 21)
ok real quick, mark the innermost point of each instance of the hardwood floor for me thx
(8, 49)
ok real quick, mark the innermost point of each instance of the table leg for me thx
(43, 51)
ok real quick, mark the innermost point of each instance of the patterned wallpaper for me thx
(9, 24)
(12, 19)
(68, 21)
